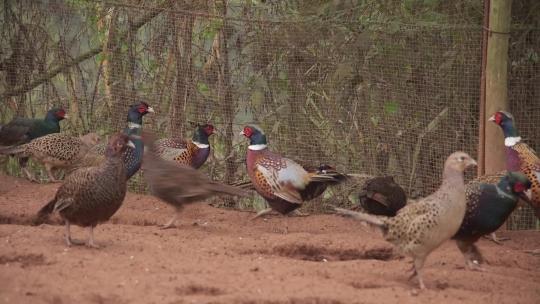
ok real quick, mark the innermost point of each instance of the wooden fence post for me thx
(496, 83)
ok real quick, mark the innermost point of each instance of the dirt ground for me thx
(219, 256)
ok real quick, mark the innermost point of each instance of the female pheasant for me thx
(92, 195)
(132, 156)
(192, 152)
(519, 156)
(22, 130)
(283, 183)
(178, 184)
(56, 150)
(488, 207)
(420, 228)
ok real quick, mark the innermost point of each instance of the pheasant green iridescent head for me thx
(56, 114)
(506, 121)
(137, 111)
(202, 133)
(257, 139)
(516, 183)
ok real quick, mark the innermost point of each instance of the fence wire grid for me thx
(362, 86)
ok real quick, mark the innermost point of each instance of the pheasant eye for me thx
(209, 129)
(61, 113)
(142, 109)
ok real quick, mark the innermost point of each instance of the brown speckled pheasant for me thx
(420, 228)
(22, 130)
(92, 195)
(55, 150)
(192, 152)
(177, 184)
(283, 183)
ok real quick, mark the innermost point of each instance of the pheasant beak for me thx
(492, 118)
(242, 133)
(131, 144)
(66, 116)
(150, 110)
(526, 196)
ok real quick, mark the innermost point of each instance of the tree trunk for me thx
(496, 81)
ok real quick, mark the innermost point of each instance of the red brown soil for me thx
(219, 256)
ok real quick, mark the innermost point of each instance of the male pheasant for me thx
(488, 207)
(283, 183)
(56, 150)
(314, 189)
(92, 195)
(132, 156)
(178, 184)
(420, 228)
(192, 152)
(22, 130)
(519, 156)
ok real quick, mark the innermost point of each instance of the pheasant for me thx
(420, 228)
(132, 157)
(488, 207)
(55, 150)
(22, 130)
(519, 156)
(92, 195)
(192, 152)
(314, 189)
(178, 184)
(382, 196)
(283, 183)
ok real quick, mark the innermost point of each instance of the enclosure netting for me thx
(353, 86)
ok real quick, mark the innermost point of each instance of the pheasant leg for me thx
(90, 242)
(261, 213)
(418, 264)
(31, 177)
(493, 237)
(171, 222)
(52, 179)
(69, 240)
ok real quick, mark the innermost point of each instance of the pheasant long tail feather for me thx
(12, 150)
(364, 217)
(331, 177)
(226, 189)
(247, 185)
(47, 209)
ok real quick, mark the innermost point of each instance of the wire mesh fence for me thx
(359, 87)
